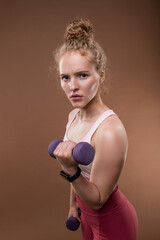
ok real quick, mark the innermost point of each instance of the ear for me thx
(102, 77)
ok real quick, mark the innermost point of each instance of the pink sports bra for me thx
(87, 169)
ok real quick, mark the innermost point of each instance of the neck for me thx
(93, 109)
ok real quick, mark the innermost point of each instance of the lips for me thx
(76, 97)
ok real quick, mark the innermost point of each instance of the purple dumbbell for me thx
(73, 223)
(83, 153)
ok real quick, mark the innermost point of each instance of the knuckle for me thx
(68, 155)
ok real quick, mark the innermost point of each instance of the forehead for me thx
(75, 62)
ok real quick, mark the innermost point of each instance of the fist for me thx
(64, 156)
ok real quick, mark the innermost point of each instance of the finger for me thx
(64, 149)
(77, 215)
(69, 148)
(59, 149)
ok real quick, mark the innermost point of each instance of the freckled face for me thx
(79, 78)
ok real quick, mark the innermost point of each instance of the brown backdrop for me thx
(33, 111)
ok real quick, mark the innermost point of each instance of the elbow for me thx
(98, 202)
(97, 206)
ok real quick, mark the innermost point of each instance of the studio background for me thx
(33, 110)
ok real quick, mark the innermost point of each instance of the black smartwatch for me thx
(74, 177)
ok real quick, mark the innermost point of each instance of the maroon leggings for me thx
(116, 220)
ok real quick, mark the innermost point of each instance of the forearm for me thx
(88, 192)
(73, 209)
(73, 201)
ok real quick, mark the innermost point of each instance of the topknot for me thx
(79, 29)
(79, 36)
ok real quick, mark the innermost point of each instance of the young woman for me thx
(105, 212)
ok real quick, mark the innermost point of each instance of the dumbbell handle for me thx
(83, 153)
(72, 223)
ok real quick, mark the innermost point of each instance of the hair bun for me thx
(79, 29)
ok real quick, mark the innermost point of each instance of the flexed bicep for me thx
(110, 153)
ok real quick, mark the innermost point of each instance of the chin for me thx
(78, 104)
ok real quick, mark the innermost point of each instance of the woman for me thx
(105, 211)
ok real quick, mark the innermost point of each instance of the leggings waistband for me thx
(115, 202)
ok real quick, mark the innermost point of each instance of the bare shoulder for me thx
(72, 113)
(112, 130)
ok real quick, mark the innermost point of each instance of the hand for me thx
(73, 212)
(63, 154)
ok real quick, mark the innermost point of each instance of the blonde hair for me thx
(79, 36)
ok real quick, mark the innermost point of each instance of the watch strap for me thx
(71, 178)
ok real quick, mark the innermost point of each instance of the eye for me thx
(83, 75)
(65, 78)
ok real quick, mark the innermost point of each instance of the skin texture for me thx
(79, 76)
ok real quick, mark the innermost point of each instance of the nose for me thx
(73, 84)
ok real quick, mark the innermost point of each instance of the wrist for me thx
(70, 171)
(72, 177)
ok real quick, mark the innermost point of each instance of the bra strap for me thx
(104, 115)
(72, 119)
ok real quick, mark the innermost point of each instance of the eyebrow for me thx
(63, 74)
(79, 72)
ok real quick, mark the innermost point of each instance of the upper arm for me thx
(110, 153)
